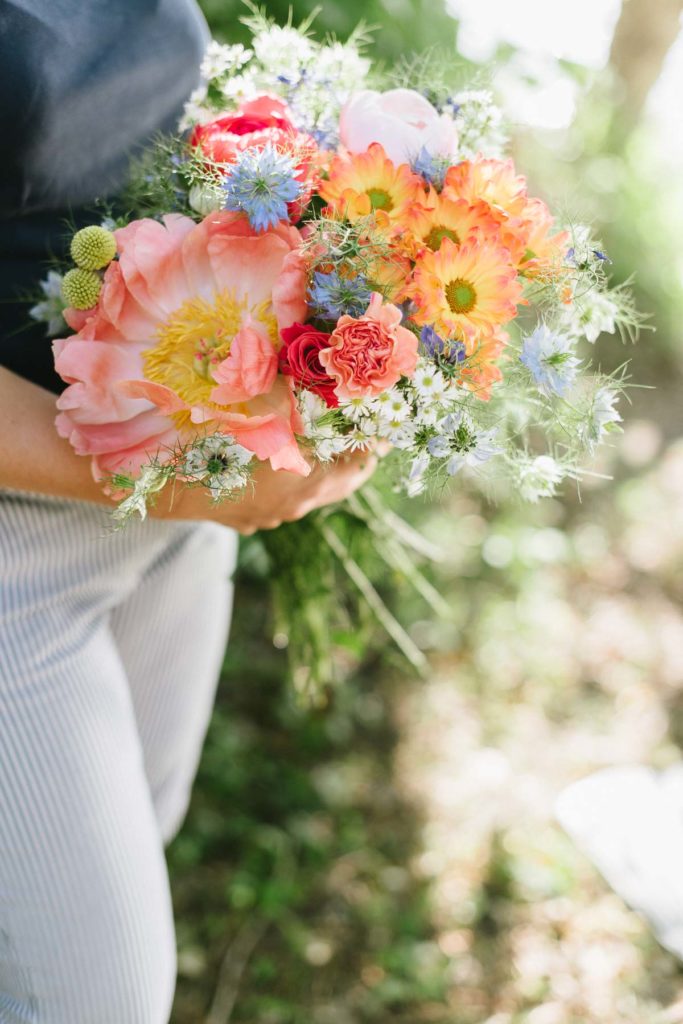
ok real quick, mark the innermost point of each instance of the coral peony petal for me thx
(289, 291)
(92, 371)
(140, 431)
(166, 400)
(249, 370)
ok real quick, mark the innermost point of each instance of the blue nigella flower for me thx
(435, 347)
(331, 295)
(549, 357)
(431, 168)
(260, 184)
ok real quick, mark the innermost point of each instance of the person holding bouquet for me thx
(110, 644)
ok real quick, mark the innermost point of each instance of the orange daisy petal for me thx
(369, 182)
(466, 290)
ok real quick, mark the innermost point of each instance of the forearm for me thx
(32, 455)
(34, 458)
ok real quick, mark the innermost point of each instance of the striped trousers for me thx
(110, 649)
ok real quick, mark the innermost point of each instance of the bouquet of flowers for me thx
(321, 262)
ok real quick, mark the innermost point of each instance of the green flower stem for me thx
(397, 633)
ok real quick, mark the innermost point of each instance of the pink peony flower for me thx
(401, 120)
(370, 354)
(184, 339)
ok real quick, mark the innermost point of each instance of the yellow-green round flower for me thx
(93, 248)
(81, 288)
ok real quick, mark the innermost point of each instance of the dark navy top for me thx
(83, 84)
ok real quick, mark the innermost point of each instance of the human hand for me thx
(274, 497)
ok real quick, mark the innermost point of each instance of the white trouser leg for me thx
(171, 634)
(86, 929)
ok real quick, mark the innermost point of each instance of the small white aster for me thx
(361, 438)
(426, 415)
(429, 382)
(393, 408)
(403, 435)
(327, 448)
(356, 408)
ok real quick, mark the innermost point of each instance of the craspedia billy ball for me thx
(81, 288)
(93, 248)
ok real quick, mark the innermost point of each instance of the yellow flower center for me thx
(194, 339)
(437, 235)
(380, 199)
(460, 295)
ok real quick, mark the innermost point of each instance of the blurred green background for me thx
(393, 858)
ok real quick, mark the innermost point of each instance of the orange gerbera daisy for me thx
(496, 182)
(544, 252)
(457, 220)
(366, 183)
(466, 290)
(481, 370)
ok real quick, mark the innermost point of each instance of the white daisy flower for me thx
(403, 435)
(429, 382)
(426, 415)
(362, 435)
(392, 407)
(357, 408)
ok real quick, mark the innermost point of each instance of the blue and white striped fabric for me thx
(110, 649)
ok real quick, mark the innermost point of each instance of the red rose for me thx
(299, 359)
(263, 121)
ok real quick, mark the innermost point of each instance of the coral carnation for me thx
(370, 354)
